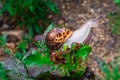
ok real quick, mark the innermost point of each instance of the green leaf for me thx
(111, 72)
(31, 31)
(18, 55)
(50, 27)
(116, 29)
(117, 1)
(2, 11)
(36, 58)
(3, 40)
(3, 75)
(26, 3)
(10, 9)
(51, 6)
(22, 47)
(7, 51)
(37, 28)
(84, 50)
(29, 12)
(31, 8)
(65, 47)
(41, 10)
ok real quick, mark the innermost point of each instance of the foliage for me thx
(3, 75)
(75, 60)
(27, 41)
(3, 40)
(3, 44)
(37, 58)
(115, 18)
(22, 46)
(111, 71)
(30, 13)
(117, 1)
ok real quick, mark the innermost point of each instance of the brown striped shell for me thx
(56, 37)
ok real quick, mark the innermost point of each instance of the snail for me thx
(56, 37)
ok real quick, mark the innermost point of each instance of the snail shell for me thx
(56, 37)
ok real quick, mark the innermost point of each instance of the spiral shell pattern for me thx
(56, 37)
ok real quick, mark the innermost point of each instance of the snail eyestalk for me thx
(98, 17)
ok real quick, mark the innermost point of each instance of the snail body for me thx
(80, 35)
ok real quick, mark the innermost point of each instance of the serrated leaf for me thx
(84, 51)
(36, 58)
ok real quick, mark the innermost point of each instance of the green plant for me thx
(111, 71)
(75, 60)
(32, 14)
(27, 41)
(115, 18)
(22, 47)
(3, 75)
(3, 40)
(117, 1)
(3, 44)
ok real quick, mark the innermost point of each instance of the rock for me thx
(88, 75)
(15, 70)
(13, 35)
(35, 71)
